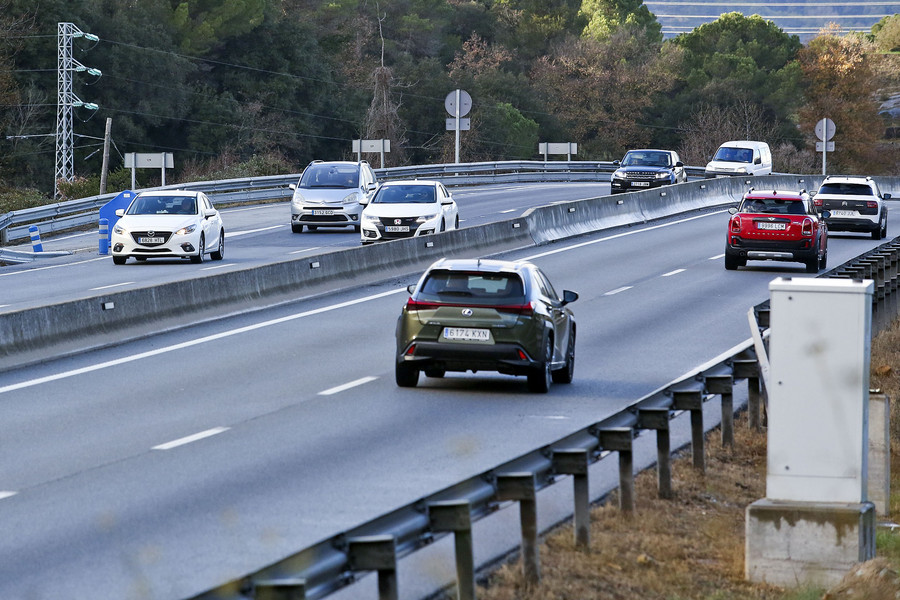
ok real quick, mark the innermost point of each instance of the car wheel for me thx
(434, 372)
(812, 265)
(823, 262)
(567, 373)
(406, 375)
(296, 228)
(731, 262)
(443, 226)
(456, 224)
(219, 254)
(198, 258)
(879, 233)
(540, 377)
(119, 260)
(884, 229)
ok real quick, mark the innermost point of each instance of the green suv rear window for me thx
(472, 288)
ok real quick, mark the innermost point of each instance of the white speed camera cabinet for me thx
(816, 521)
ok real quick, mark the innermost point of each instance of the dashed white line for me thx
(618, 290)
(234, 234)
(347, 386)
(220, 266)
(717, 256)
(503, 212)
(304, 250)
(5, 495)
(191, 438)
(675, 272)
(106, 287)
(80, 262)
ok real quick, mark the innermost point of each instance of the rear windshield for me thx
(472, 288)
(741, 155)
(405, 194)
(330, 176)
(774, 206)
(846, 189)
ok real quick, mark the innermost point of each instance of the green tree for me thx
(202, 24)
(605, 17)
(886, 34)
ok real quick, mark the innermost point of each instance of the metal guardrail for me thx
(56, 217)
(378, 545)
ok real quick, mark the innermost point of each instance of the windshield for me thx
(163, 205)
(646, 159)
(846, 189)
(330, 176)
(473, 288)
(741, 155)
(405, 194)
(774, 206)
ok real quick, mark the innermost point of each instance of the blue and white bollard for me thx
(104, 236)
(36, 238)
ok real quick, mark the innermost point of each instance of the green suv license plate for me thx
(467, 334)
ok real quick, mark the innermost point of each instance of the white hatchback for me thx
(402, 209)
(168, 224)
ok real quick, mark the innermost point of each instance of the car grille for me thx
(640, 175)
(391, 221)
(340, 218)
(137, 235)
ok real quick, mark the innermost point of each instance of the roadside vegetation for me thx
(252, 87)
(692, 547)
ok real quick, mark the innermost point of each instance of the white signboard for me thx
(463, 124)
(371, 146)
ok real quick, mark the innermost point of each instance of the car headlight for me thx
(370, 218)
(186, 230)
(618, 175)
(119, 230)
(663, 175)
(426, 218)
(352, 198)
(741, 170)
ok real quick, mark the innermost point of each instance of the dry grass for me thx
(692, 547)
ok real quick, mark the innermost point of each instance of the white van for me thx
(740, 158)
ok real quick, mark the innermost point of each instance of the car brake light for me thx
(411, 350)
(818, 202)
(871, 204)
(519, 309)
(735, 224)
(413, 305)
(522, 356)
(807, 230)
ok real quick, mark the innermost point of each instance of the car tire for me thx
(540, 377)
(823, 262)
(296, 228)
(406, 375)
(198, 258)
(119, 260)
(731, 262)
(443, 226)
(219, 253)
(812, 265)
(456, 223)
(434, 372)
(567, 373)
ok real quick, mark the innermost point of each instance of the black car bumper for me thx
(503, 358)
(634, 185)
(864, 225)
(799, 251)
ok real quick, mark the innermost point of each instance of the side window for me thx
(546, 289)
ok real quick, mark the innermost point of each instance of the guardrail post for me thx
(575, 463)
(658, 419)
(620, 440)
(456, 516)
(745, 366)
(690, 398)
(721, 383)
(521, 487)
(280, 589)
(377, 553)
(104, 237)
(35, 233)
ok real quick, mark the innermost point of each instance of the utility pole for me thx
(105, 167)
(66, 99)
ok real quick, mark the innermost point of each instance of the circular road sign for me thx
(825, 129)
(465, 103)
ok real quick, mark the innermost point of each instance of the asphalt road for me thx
(163, 467)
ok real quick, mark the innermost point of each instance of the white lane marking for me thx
(717, 256)
(188, 344)
(551, 417)
(675, 272)
(347, 386)
(219, 266)
(619, 235)
(191, 438)
(618, 290)
(503, 212)
(234, 234)
(106, 287)
(80, 262)
(5, 495)
(5, 305)
(305, 250)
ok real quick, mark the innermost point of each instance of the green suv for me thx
(486, 315)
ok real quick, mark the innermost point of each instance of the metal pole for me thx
(457, 127)
(105, 167)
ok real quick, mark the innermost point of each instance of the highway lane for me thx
(254, 235)
(162, 467)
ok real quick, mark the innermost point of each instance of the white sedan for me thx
(168, 224)
(402, 209)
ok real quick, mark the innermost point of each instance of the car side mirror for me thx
(293, 186)
(569, 296)
(209, 212)
(364, 200)
(757, 161)
(733, 210)
(446, 201)
(617, 163)
(371, 187)
(886, 196)
(120, 212)
(679, 164)
(411, 288)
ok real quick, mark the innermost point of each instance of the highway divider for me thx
(34, 334)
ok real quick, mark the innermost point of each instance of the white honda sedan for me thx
(168, 224)
(402, 209)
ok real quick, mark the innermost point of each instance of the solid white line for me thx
(80, 262)
(618, 290)
(190, 343)
(304, 250)
(234, 234)
(675, 272)
(191, 438)
(619, 235)
(219, 266)
(347, 386)
(717, 256)
(4, 495)
(106, 287)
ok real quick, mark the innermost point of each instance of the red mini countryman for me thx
(777, 225)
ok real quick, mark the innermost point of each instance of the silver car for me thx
(329, 195)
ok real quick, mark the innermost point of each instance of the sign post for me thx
(824, 131)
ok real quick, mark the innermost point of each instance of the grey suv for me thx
(329, 193)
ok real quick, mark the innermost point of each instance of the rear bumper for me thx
(503, 358)
(791, 252)
(854, 224)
